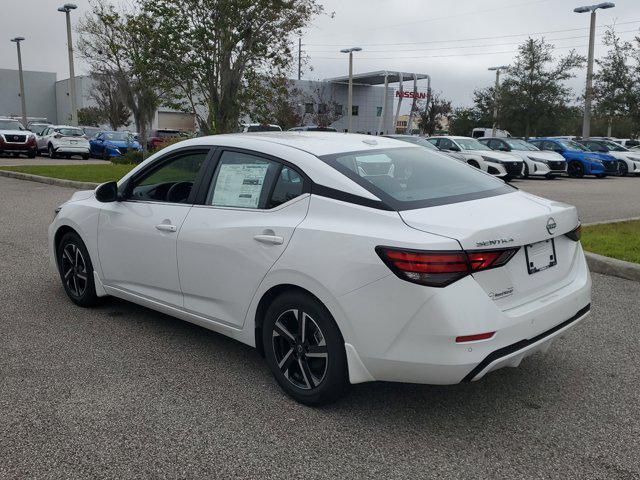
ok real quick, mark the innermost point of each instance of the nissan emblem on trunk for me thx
(551, 225)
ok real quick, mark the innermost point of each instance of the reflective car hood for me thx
(545, 155)
(513, 219)
(502, 156)
(15, 132)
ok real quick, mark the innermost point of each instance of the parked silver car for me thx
(63, 141)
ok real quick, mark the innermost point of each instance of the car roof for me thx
(453, 137)
(316, 143)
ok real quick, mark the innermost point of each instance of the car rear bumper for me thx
(402, 337)
(72, 149)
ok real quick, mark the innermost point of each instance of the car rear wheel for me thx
(52, 152)
(623, 168)
(76, 270)
(575, 169)
(304, 349)
(105, 154)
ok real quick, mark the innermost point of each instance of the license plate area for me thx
(540, 256)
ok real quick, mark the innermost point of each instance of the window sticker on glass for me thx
(239, 185)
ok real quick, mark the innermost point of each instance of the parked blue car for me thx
(580, 160)
(112, 144)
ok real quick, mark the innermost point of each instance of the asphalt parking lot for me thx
(122, 392)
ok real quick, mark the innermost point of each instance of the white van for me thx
(488, 132)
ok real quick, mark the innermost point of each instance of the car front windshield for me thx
(470, 144)
(614, 147)
(415, 177)
(70, 132)
(571, 145)
(37, 128)
(521, 145)
(10, 125)
(118, 136)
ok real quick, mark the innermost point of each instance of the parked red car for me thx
(161, 137)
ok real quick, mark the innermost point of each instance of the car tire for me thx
(575, 169)
(86, 156)
(105, 154)
(32, 154)
(52, 152)
(76, 270)
(623, 168)
(601, 175)
(304, 349)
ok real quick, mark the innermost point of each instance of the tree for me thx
(324, 108)
(116, 43)
(533, 92)
(279, 104)
(91, 116)
(107, 94)
(463, 120)
(612, 81)
(431, 116)
(212, 54)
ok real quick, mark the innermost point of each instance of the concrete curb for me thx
(613, 266)
(59, 182)
(606, 222)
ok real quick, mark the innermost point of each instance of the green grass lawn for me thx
(619, 240)
(82, 173)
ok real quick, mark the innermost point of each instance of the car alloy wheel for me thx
(74, 269)
(304, 349)
(623, 169)
(300, 349)
(52, 152)
(575, 169)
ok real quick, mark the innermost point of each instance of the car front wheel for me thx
(76, 270)
(623, 168)
(304, 349)
(575, 169)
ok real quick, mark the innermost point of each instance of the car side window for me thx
(445, 143)
(289, 185)
(242, 180)
(172, 182)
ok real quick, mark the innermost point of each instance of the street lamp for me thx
(586, 122)
(495, 95)
(350, 100)
(66, 9)
(17, 41)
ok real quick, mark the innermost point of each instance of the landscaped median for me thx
(614, 248)
(78, 173)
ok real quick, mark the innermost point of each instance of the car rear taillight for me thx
(441, 268)
(575, 234)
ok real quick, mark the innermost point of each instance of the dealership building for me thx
(378, 99)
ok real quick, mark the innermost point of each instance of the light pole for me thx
(495, 95)
(66, 9)
(17, 41)
(350, 99)
(586, 122)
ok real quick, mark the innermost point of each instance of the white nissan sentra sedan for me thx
(343, 258)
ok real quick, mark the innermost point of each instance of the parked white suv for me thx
(499, 164)
(63, 141)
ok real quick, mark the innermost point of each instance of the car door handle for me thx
(269, 239)
(165, 227)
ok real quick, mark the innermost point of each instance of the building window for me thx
(322, 108)
(378, 111)
(308, 108)
(338, 109)
(354, 110)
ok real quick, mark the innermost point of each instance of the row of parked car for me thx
(547, 157)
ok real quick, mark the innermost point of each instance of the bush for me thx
(131, 157)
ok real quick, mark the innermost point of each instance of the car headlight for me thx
(595, 160)
(541, 160)
(491, 159)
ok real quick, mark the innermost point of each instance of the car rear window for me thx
(414, 177)
(263, 128)
(70, 132)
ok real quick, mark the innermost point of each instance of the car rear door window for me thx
(242, 180)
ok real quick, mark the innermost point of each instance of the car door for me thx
(41, 140)
(229, 242)
(137, 236)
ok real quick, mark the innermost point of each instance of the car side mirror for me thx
(107, 192)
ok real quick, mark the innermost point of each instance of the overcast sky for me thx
(453, 41)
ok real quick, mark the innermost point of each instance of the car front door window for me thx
(172, 182)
